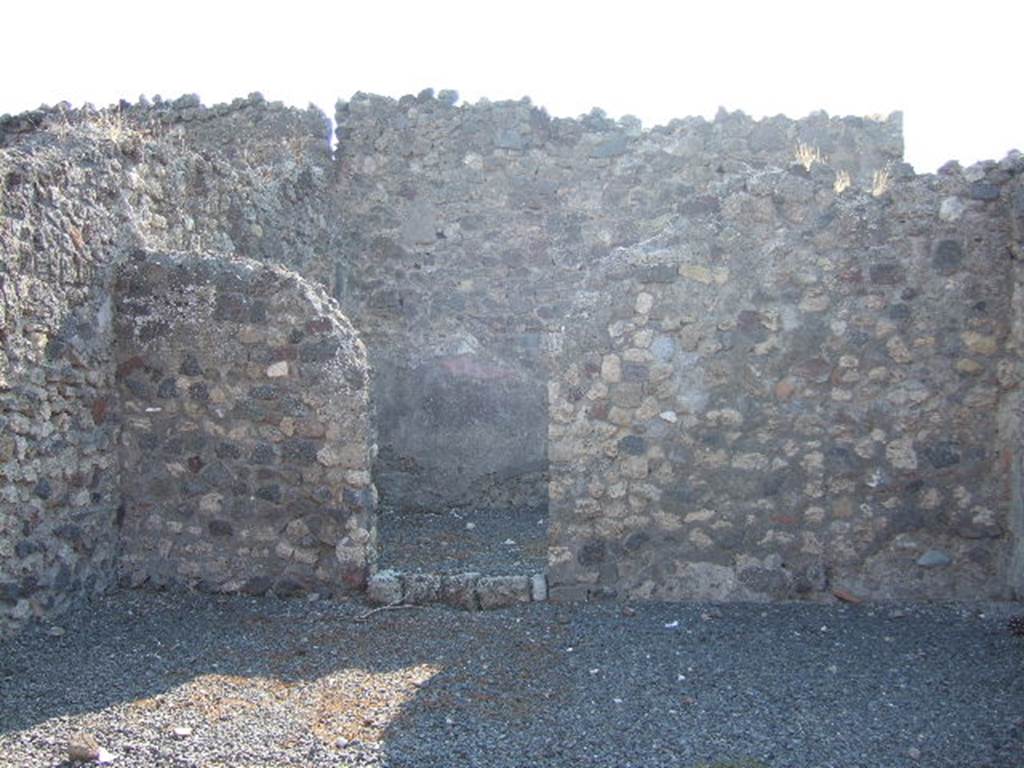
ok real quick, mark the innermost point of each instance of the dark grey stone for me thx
(358, 500)
(263, 454)
(10, 592)
(190, 366)
(27, 547)
(168, 389)
(943, 454)
(633, 445)
(43, 489)
(231, 451)
(984, 190)
(459, 590)
(657, 273)
(299, 450)
(264, 392)
(231, 308)
(592, 553)
(257, 585)
(886, 273)
(948, 257)
(290, 587)
(271, 493)
(199, 391)
(679, 499)
(318, 351)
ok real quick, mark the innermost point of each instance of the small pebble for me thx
(83, 748)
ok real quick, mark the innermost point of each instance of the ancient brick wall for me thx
(247, 443)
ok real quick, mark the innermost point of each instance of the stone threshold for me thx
(469, 591)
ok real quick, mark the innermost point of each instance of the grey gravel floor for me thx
(267, 682)
(494, 543)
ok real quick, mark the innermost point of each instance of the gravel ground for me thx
(267, 682)
(497, 543)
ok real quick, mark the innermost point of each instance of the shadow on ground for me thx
(265, 682)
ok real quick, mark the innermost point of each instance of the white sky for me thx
(955, 69)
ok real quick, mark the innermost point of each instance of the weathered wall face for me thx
(820, 393)
(446, 281)
(249, 178)
(744, 381)
(77, 189)
(800, 391)
(59, 222)
(1012, 410)
(462, 235)
(247, 442)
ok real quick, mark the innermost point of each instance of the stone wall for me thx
(743, 373)
(78, 188)
(247, 443)
(820, 395)
(61, 213)
(462, 235)
(1011, 426)
(799, 390)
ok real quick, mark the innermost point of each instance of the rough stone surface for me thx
(934, 558)
(462, 235)
(79, 188)
(459, 590)
(83, 748)
(844, 381)
(421, 588)
(469, 591)
(385, 588)
(725, 377)
(538, 588)
(503, 591)
(234, 479)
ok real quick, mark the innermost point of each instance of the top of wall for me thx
(240, 129)
(260, 132)
(857, 145)
(847, 142)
